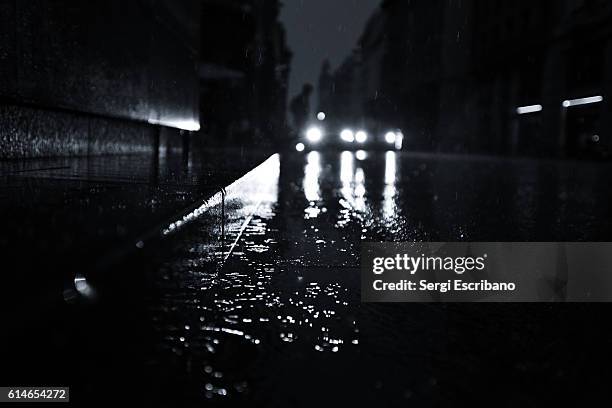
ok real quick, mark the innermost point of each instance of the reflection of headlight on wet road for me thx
(390, 137)
(361, 136)
(314, 135)
(347, 135)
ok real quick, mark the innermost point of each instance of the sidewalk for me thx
(67, 219)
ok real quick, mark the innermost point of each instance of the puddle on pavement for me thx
(287, 298)
(283, 290)
(289, 292)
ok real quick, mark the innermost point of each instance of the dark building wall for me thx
(345, 91)
(412, 67)
(542, 53)
(454, 72)
(245, 69)
(119, 61)
(29, 132)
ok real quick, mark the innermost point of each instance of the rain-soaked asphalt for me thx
(281, 324)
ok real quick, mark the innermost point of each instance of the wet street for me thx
(281, 324)
(276, 204)
(271, 315)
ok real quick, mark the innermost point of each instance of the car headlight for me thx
(347, 135)
(314, 134)
(390, 137)
(399, 140)
(361, 136)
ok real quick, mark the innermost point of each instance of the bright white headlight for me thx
(347, 135)
(361, 136)
(314, 134)
(390, 137)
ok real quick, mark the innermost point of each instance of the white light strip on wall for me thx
(528, 109)
(189, 125)
(582, 101)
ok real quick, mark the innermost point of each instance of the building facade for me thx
(509, 78)
(243, 79)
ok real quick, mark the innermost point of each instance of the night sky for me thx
(319, 29)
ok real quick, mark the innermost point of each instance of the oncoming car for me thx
(318, 137)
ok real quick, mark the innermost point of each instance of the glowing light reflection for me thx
(353, 182)
(389, 207)
(248, 185)
(360, 191)
(390, 167)
(582, 101)
(189, 125)
(83, 287)
(523, 110)
(314, 134)
(312, 172)
(346, 168)
(361, 136)
(347, 135)
(399, 140)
